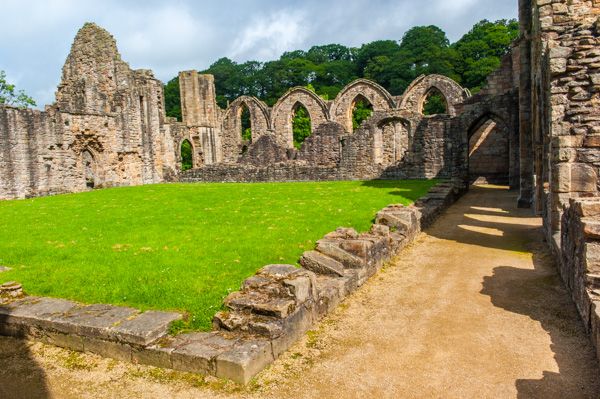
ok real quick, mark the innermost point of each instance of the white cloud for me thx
(35, 36)
(267, 36)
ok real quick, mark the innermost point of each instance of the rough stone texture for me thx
(108, 128)
(580, 256)
(106, 116)
(343, 105)
(284, 109)
(415, 95)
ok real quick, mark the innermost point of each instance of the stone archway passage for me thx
(489, 153)
(187, 155)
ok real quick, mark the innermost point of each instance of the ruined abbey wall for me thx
(108, 128)
(397, 141)
(104, 130)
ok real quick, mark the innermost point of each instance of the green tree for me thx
(301, 126)
(173, 99)
(480, 50)
(10, 96)
(187, 158)
(361, 112)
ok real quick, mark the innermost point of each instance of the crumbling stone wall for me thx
(415, 95)
(104, 111)
(580, 260)
(564, 48)
(343, 105)
(108, 128)
(232, 126)
(283, 112)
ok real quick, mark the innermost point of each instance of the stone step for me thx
(104, 322)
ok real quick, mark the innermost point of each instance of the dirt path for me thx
(473, 309)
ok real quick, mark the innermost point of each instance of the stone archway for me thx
(416, 94)
(233, 141)
(376, 95)
(489, 151)
(283, 113)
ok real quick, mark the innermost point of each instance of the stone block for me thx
(102, 347)
(592, 257)
(95, 321)
(342, 233)
(332, 249)
(591, 228)
(575, 177)
(380, 230)
(153, 355)
(321, 264)
(294, 327)
(260, 303)
(278, 271)
(302, 288)
(246, 359)
(145, 328)
(196, 352)
(330, 292)
(69, 341)
(592, 141)
(36, 311)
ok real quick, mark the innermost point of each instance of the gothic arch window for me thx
(434, 103)
(301, 124)
(187, 155)
(362, 109)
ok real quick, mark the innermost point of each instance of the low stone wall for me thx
(247, 173)
(580, 261)
(273, 309)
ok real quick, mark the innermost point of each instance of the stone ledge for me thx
(273, 309)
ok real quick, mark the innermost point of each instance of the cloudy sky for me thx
(169, 36)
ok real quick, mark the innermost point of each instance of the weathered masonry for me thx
(108, 128)
(535, 126)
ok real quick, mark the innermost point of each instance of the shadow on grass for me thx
(21, 377)
(409, 189)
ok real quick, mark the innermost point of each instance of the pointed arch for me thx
(361, 111)
(233, 143)
(433, 103)
(301, 124)
(283, 113)
(378, 97)
(186, 153)
(414, 96)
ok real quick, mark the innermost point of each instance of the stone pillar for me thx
(200, 111)
(525, 138)
(198, 99)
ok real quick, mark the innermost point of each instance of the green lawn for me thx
(177, 246)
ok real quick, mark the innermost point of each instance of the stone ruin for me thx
(535, 126)
(108, 128)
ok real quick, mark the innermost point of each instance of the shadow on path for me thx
(537, 293)
(21, 377)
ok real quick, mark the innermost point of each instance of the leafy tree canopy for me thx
(391, 63)
(10, 96)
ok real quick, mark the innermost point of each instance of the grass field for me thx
(177, 246)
